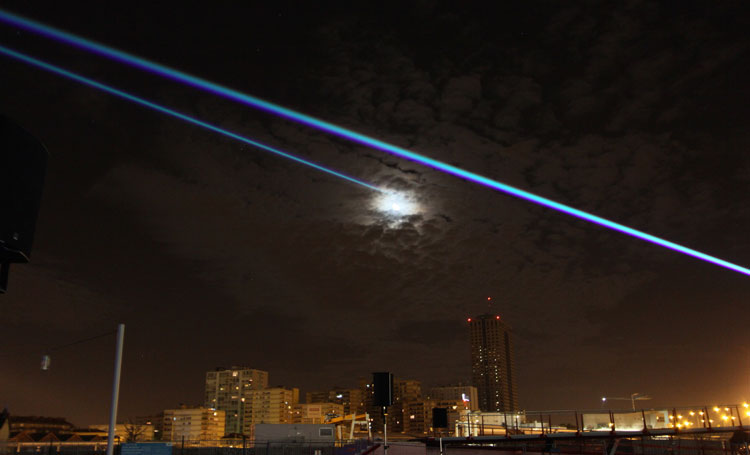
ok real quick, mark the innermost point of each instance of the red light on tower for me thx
(497, 317)
(489, 298)
(468, 320)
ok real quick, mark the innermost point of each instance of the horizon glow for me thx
(289, 114)
(143, 102)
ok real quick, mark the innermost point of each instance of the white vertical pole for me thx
(385, 431)
(115, 389)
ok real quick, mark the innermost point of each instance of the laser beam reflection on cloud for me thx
(143, 102)
(257, 103)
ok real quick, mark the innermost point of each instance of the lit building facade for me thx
(129, 432)
(466, 394)
(353, 400)
(418, 416)
(492, 363)
(404, 391)
(316, 412)
(230, 390)
(273, 405)
(193, 424)
(40, 424)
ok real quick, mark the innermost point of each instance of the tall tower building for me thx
(230, 390)
(492, 363)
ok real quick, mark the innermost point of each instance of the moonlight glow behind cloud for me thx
(396, 204)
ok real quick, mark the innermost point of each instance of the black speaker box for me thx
(382, 384)
(23, 162)
(439, 417)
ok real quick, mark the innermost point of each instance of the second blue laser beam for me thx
(113, 91)
(211, 87)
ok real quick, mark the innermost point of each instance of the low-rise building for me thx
(465, 393)
(193, 424)
(36, 424)
(418, 416)
(290, 436)
(129, 432)
(316, 413)
(353, 400)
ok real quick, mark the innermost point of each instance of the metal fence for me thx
(721, 417)
(717, 444)
(189, 447)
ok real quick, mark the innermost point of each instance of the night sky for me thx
(216, 254)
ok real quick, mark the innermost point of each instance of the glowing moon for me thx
(396, 204)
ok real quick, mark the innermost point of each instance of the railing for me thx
(715, 444)
(195, 447)
(708, 418)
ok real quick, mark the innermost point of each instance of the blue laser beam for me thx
(113, 91)
(266, 106)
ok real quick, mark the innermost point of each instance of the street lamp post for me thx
(115, 389)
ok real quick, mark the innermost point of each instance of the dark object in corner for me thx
(23, 162)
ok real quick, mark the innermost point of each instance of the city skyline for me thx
(214, 253)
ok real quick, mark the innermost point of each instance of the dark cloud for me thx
(432, 333)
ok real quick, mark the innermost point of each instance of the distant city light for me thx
(46, 360)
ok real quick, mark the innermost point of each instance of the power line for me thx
(85, 340)
(55, 348)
